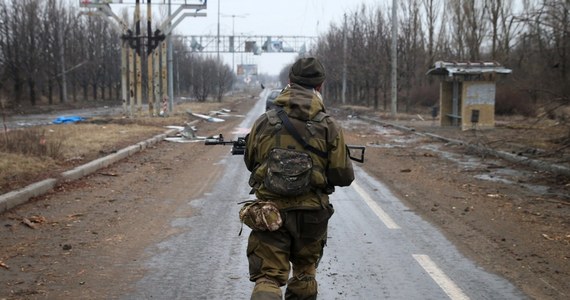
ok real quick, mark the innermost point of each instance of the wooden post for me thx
(132, 79)
(156, 77)
(124, 70)
(150, 96)
(164, 72)
(138, 53)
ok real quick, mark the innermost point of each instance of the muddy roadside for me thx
(511, 219)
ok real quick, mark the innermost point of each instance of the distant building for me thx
(467, 93)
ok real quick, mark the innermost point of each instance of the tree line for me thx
(43, 42)
(40, 41)
(531, 37)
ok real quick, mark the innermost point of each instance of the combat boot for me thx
(266, 289)
(303, 287)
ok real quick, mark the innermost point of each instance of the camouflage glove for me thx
(260, 215)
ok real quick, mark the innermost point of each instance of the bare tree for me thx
(224, 80)
(204, 75)
(10, 48)
(475, 27)
(468, 27)
(432, 10)
(411, 49)
(378, 37)
(457, 28)
(357, 58)
(330, 50)
(51, 40)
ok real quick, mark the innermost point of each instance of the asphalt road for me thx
(377, 249)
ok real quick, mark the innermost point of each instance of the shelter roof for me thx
(466, 68)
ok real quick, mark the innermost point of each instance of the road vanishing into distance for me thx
(377, 248)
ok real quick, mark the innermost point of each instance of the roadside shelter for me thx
(467, 93)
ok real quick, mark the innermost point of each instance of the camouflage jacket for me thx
(307, 113)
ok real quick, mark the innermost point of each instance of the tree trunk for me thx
(50, 92)
(385, 96)
(60, 87)
(85, 94)
(74, 92)
(18, 91)
(376, 100)
(32, 87)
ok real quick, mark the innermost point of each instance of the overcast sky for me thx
(259, 18)
(271, 17)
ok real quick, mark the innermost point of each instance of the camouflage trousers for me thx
(298, 243)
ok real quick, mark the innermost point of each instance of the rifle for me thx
(238, 147)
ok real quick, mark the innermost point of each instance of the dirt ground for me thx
(84, 239)
(519, 233)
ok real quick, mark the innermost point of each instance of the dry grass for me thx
(17, 167)
(21, 162)
(79, 140)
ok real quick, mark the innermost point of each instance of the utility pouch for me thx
(260, 215)
(288, 172)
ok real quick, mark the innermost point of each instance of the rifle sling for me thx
(283, 116)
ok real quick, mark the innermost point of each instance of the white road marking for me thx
(382, 215)
(446, 284)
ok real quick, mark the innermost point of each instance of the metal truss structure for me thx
(248, 44)
(157, 53)
(154, 49)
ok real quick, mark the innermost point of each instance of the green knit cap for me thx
(307, 71)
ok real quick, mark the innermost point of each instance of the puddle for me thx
(500, 175)
(492, 178)
(390, 138)
(383, 145)
(465, 161)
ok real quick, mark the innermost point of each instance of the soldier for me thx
(296, 154)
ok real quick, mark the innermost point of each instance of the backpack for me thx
(289, 171)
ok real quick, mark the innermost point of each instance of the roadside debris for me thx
(185, 134)
(3, 265)
(108, 174)
(29, 223)
(494, 195)
(205, 117)
(68, 119)
(33, 221)
(224, 112)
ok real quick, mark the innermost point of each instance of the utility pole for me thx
(138, 68)
(169, 58)
(394, 57)
(344, 63)
(234, 40)
(218, 41)
(149, 64)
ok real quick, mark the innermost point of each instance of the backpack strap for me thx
(272, 117)
(275, 123)
(287, 123)
(320, 117)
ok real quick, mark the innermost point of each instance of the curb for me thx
(17, 197)
(532, 163)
